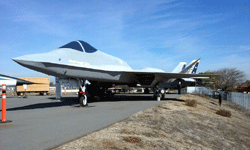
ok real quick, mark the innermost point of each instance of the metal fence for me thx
(206, 91)
(241, 99)
(201, 90)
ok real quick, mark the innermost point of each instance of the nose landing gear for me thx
(82, 95)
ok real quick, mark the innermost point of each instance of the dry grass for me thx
(191, 103)
(174, 125)
(160, 106)
(200, 95)
(224, 113)
(125, 131)
(132, 139)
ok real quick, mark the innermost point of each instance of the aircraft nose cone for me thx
(31, 57)
(29, 61)
(20, 60)
(17, 60)
(37, 62)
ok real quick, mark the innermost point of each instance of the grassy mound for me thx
(191, 103)
(224, 113)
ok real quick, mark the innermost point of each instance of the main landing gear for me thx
(159, 94)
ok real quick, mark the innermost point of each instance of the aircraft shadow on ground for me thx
(73, 101)
(65, 101)
(133, 97)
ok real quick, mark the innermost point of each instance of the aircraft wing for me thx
(16, 80)
(151, 78)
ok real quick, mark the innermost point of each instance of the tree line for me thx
(230, 80)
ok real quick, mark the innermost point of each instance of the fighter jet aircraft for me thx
(79, 62)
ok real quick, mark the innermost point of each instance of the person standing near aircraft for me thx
(220, 100)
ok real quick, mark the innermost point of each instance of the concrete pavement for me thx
(41, 122)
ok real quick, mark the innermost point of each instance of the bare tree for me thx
(228, 80)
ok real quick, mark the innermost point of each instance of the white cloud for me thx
(244, 48)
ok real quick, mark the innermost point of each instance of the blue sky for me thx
(148, 33)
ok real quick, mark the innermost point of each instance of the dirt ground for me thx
(174, 125)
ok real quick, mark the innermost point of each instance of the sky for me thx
(144, 33)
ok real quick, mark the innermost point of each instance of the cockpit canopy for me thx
(80, 46)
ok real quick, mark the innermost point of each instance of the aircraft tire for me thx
(83, 101)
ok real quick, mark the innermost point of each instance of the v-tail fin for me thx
(191, 68)
(179, 67)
